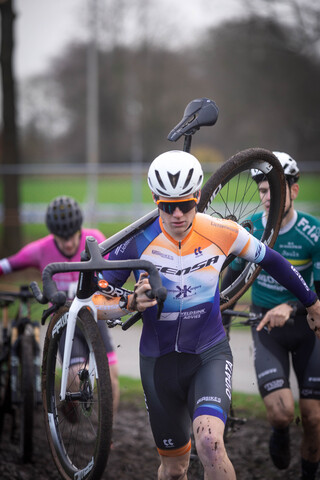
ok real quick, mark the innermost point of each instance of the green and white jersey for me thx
(299, 243)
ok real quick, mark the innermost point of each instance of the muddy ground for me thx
(134, 457)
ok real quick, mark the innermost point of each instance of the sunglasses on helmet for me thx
(169, 206)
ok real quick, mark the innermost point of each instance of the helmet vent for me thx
(160, 180)
(186, 183)
(174, 178)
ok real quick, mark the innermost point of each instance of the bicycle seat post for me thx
(187, 143)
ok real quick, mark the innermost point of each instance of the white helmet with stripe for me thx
(175, 174)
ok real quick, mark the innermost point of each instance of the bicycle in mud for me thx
(20, 389)
(80, 449)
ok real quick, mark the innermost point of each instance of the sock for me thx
(308, 469)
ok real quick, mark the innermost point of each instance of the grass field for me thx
(245, 404)
(116, 189)
(120, 190)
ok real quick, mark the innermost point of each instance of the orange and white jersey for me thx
(190, 321)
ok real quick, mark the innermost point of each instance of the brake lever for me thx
(46, 313)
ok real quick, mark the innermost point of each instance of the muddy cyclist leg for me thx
(208, 433)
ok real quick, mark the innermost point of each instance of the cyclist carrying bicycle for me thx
(299, 242)
(185, 358)
(64, 244)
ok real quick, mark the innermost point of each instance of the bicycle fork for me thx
(71, 320)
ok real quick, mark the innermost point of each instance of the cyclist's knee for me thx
(209, 441)
(280, 408)
(310, 414)
(210, 449)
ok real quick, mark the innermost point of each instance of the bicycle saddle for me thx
(200, 112)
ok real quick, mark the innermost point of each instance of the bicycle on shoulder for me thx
(20, 390)
(80, 446)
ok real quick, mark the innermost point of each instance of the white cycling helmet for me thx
(175, 174)
(289, 165)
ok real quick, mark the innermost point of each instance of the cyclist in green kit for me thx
(276, 339)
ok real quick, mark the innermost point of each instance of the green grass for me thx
(245, 404)
(118, 189)
(32, 232)
(131, 390)
(111, 189)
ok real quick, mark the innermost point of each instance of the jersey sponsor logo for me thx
(198, 251)
(275, 384)
(209, 399)
(300, 277)
(310, 392)
(186, 291)
(161, 254)
(258, 251)
(168, 443)
(122, 247)
(228, 378)
(193, 314)
(311, 231)
(178, 272)
(267, 372)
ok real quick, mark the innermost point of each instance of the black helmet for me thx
(63, 217)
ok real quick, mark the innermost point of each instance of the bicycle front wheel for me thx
(79, 428)
(232, 193)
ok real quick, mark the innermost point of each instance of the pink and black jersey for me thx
(41, 252)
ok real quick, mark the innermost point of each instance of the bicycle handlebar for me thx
(95, 263)
(10, 297)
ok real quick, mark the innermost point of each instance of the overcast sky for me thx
(44, 27)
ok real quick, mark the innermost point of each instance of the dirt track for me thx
(134, 456)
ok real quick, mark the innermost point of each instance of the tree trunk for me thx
(11, 241)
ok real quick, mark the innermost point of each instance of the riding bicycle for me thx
(20, 389)
(83, 308)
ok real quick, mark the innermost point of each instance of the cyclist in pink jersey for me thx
(65, 243)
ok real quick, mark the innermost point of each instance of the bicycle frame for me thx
(75, 307)
(92, 261)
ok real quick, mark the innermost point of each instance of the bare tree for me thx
(267, 92)
(302, 16)
(10, 152)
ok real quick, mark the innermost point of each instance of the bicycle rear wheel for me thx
(5, 393)
(232, 193)
(26, 401)
(79, 431)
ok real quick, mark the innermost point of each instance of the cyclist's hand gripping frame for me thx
(93, 261)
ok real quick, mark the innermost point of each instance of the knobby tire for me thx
(232, 193)
(79, 433)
